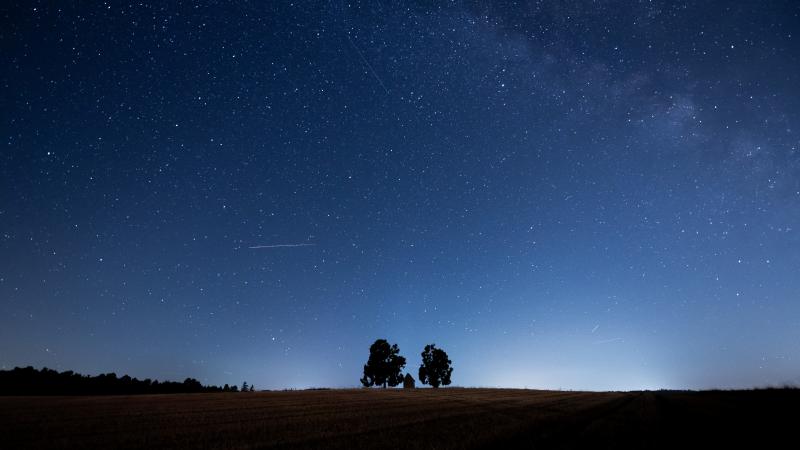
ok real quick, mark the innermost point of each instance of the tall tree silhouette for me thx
(435, 369)
(384, 365)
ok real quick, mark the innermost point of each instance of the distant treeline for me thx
(30, 381)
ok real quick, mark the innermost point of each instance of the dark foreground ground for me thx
(422, 418)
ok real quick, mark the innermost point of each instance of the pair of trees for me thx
(385, 365)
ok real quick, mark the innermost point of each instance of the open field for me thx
(421, 418)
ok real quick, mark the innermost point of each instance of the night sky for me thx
(575, 195)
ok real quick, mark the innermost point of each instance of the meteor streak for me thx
(281, 245)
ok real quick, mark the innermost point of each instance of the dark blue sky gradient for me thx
(586, 195)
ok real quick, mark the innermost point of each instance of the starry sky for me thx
(574, 195)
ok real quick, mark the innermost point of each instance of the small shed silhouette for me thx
(408, 382)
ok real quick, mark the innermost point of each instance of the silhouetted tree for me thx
(252, 388)
(408, 381)
(245, 387)
(435, 369)
(384, 365)
(192, 385)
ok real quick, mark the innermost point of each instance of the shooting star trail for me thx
(374, 74)
(281, 245)
(355, 47)
(608, 341)
(595, 328)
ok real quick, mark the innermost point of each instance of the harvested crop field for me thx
(421, 418)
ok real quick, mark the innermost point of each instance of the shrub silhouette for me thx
(435, 369)
(408, 381)
(384, 365)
